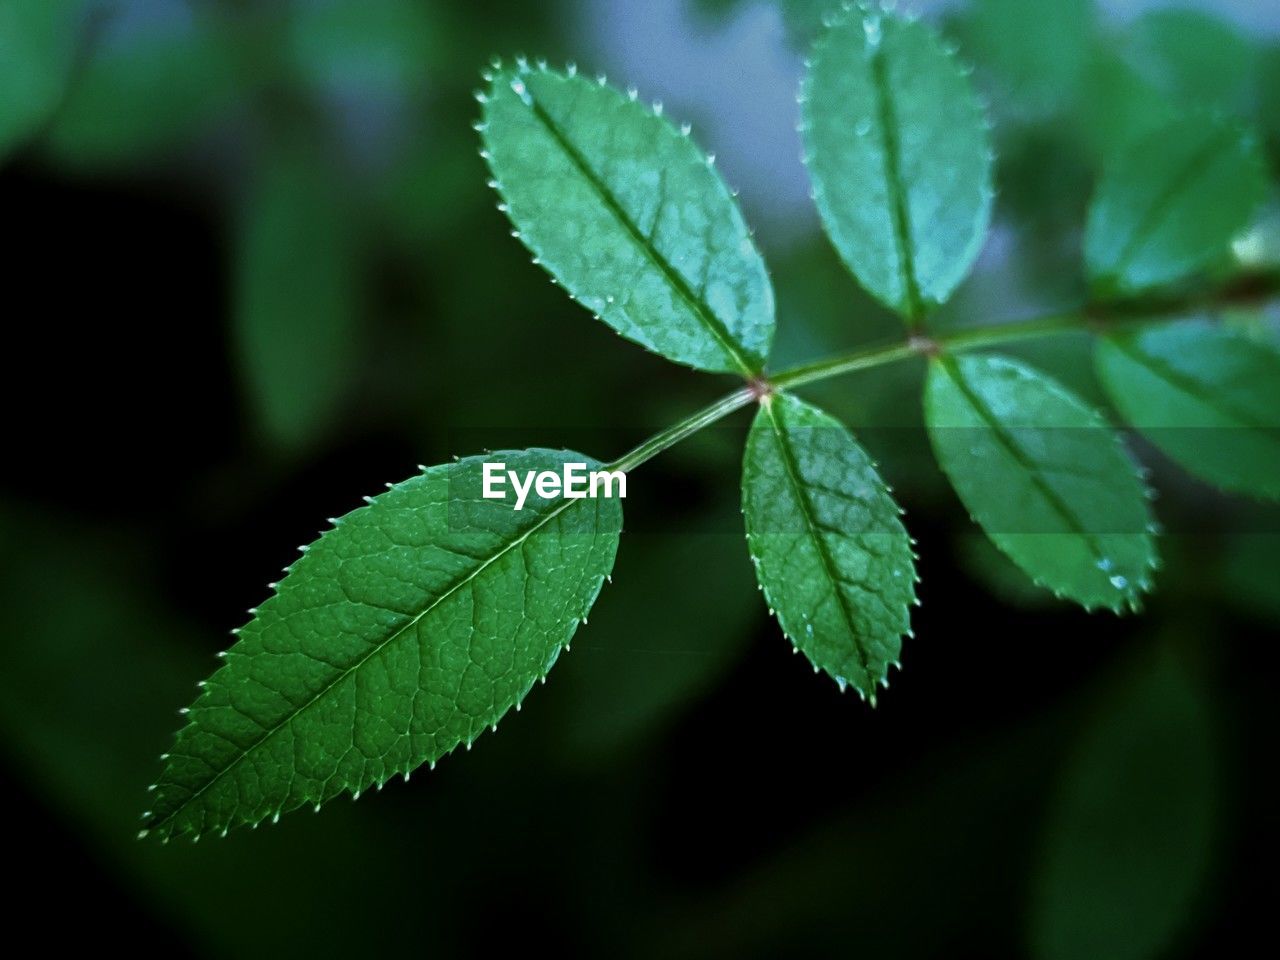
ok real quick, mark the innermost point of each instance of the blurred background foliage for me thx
(254, 272)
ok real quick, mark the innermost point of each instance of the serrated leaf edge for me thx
(225, 655)
(1131, 595)
(917, 307)
(747, 365)
(1192, 388)
(842, 683)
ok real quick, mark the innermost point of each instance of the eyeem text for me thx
(574, 482)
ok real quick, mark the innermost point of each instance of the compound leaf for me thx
(1044, 475)
(630, 217)
(830, 551)
(1207, 396)
(413, 625)
(896, 146)
(1171, 203)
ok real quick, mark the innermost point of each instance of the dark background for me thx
(254, 272)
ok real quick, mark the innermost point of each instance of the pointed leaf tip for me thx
(409, 629)
(826, 541)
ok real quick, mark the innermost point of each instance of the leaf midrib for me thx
(886, 113)
(1200, 161)
(1056, 502)
(294, 714)
(1189, 386)
(700, 310)
(828, 564)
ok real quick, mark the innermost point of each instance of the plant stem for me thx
(955, 342)
(686, 427)
(1085, 318)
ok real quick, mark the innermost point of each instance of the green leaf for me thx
(296, 298)
(411, 627)
(364, 45)
(1269, 90)
(1195, 58)
(1256, 249)
(1039, 50)
(1044, 475)
(1117, 107)
(37, 48)
(625, 211)
(830, 552)
(896, 146)
(1171, 203)
(146, 97)
(1130, 836)
(1206, 396)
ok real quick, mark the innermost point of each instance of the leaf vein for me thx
(1010, 444)
(888, 119)
(1199, 162)
(824, 555)
(1188, 385)
(288, 720)
(678, 284)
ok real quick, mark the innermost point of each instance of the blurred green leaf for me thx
(1257, 247)
(626, 212)
(897, 148)
(297, 288)
(680, 618)
(1045, 476)
(1117, 106)
(1039, 51)
(372, 45)
(1206, 396)
(1171, 204)
(831, 554)
(1194, 57)
(410, 628)
(37, 49)
(1140, 77)
(1129, 838)
(147, 96)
